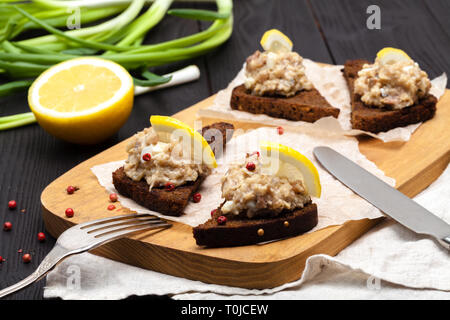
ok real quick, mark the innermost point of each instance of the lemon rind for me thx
(157, 121)
(294, 157)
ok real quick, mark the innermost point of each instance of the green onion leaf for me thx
(87, 43)
(80, 51)
(151, 79)
(11, 87)
(197, 14)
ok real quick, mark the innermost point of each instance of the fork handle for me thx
(56, 255)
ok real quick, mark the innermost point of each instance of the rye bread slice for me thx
(238, 230)
(306, 105)
(374, 119)
(171, 203)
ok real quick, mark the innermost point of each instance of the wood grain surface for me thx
(414, 165)
(331, 31)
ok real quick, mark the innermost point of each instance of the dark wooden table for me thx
(329, 31)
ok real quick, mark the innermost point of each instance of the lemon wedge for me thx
(392, 55)
(83, 100)
(287, 162)
(276, 41)
(169, 128)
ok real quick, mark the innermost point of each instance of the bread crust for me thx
(374, 119)
(306, 105)
(171, 203)
(238, 231)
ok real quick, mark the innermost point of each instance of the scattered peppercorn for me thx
(213, 212)
(1, 259)
(26, 258)
(70, 189)
(23, 210)
(111, 207)
(41, 236)
(69, 213)
(7, 226)
(147, 157)
(170, 186)
(197, 197)
(255, 152)
(12, 204)
(222, 220)
(20, 250)
(280, 130)
(113, 197)
(250, 166)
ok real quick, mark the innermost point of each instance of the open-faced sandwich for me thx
(276, 84)
(389, 93)
(167, 163)
(267, 197)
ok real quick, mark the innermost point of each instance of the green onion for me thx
(118, 38)
(197, 14)
(151, 79)
(11, 87)
(17, 120)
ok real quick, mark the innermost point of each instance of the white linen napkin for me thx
(389, 262)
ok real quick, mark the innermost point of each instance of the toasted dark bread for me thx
(306, 105)
(375, 120)
(238, 230)
(209, 133)
(171, 203)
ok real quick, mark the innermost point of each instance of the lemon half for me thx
(391, 55)
(274, 40)
(169, 128)
(83, 100)
(292, 164)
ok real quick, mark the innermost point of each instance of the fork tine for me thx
(109, 236)
(96, 227)
(101, 221)
(119, 225)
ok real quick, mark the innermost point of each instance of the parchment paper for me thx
(336, 205)
(329, 81)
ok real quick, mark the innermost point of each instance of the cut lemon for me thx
(287, 162)
(169, 128)
(83, 100)
(275, 41)
(392, 55)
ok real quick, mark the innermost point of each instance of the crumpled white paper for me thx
(331, 84)
(389, 262)
(336, 205)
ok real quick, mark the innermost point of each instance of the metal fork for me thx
(86, 236)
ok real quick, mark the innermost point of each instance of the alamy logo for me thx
(74, 277)
(74, 19)
(374, 20)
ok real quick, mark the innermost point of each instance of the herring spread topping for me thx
(276, 73)
(160, 163)
(248, 189)
(395, 85)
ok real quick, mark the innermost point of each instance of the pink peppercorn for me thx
(113, 197)
(222, 220)
(69, 213)
(197, 197)
(12, 204)
(250, 166)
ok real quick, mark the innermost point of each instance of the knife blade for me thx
(389, 200)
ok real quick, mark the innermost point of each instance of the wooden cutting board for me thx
(414, 165)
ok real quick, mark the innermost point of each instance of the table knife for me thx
(389, 200)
